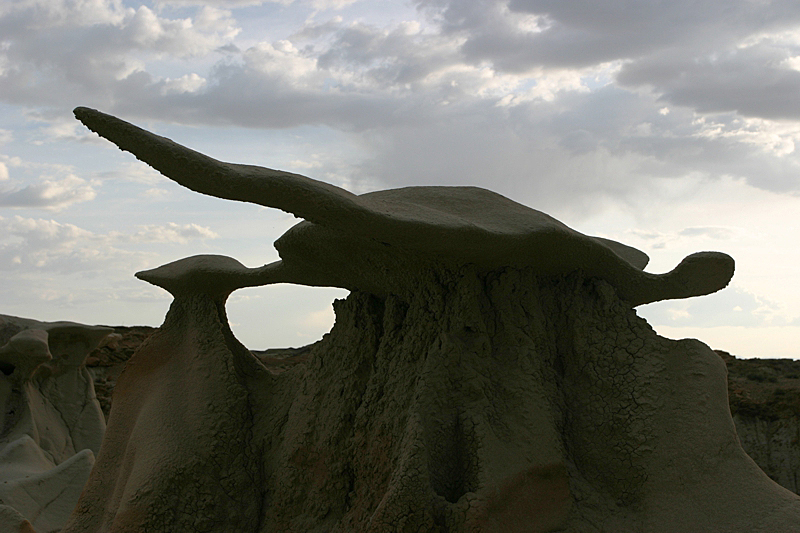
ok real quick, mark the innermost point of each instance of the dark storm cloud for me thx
(689, 52)
(752, 82)
(426, 99)
(362, 76)
(583, 32)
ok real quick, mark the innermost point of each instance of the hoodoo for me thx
(487, 373)
(51, 424)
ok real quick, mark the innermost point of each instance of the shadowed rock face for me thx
(458, 391)
(178, 453)
(377, 241)
(51, 424)
(506, 402)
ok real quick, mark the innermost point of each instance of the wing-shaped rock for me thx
(377, 241)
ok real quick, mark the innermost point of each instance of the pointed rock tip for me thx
(216, 275)
(85, 114)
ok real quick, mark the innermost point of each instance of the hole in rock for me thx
(7, 368)
(282, 319)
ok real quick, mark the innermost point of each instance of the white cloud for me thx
(283, 61)
(331, 4)
(730, 307)
(297, 163)
(54, 194)
(221, 3)
(188, 83)
(709, 232)
(700, 237)
(48, 245)
(777, 138)
(318, 320)
(551, 83)
(55, 127)
(12, 161)
(211, 27)
(134, 172)
(59, 53)
(54, 13)
(155, 193)
(792, 63)
(172, 233)
(41, 230)
(3, 172)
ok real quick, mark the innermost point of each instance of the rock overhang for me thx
(374, 241)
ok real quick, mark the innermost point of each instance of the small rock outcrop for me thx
(52, 425)
(487, 373)
(179, 452)
(107, 361)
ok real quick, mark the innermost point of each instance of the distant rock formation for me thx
(765, 403)
(486, 373)
(774, 444)
(51, 425)
(107, 361)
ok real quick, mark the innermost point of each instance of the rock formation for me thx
(486, 373)
(765, 408)
(52, 425)
(109, 359)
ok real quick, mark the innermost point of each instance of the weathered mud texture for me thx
(504, 402)
(479, 383)
(51, 424)
(774, 444)
(769, 435)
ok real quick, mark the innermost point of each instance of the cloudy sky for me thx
(670, 126)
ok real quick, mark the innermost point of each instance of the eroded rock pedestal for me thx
(511, 403)
(486, 373)
(473, 402)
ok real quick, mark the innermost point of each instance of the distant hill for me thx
(764, 396)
